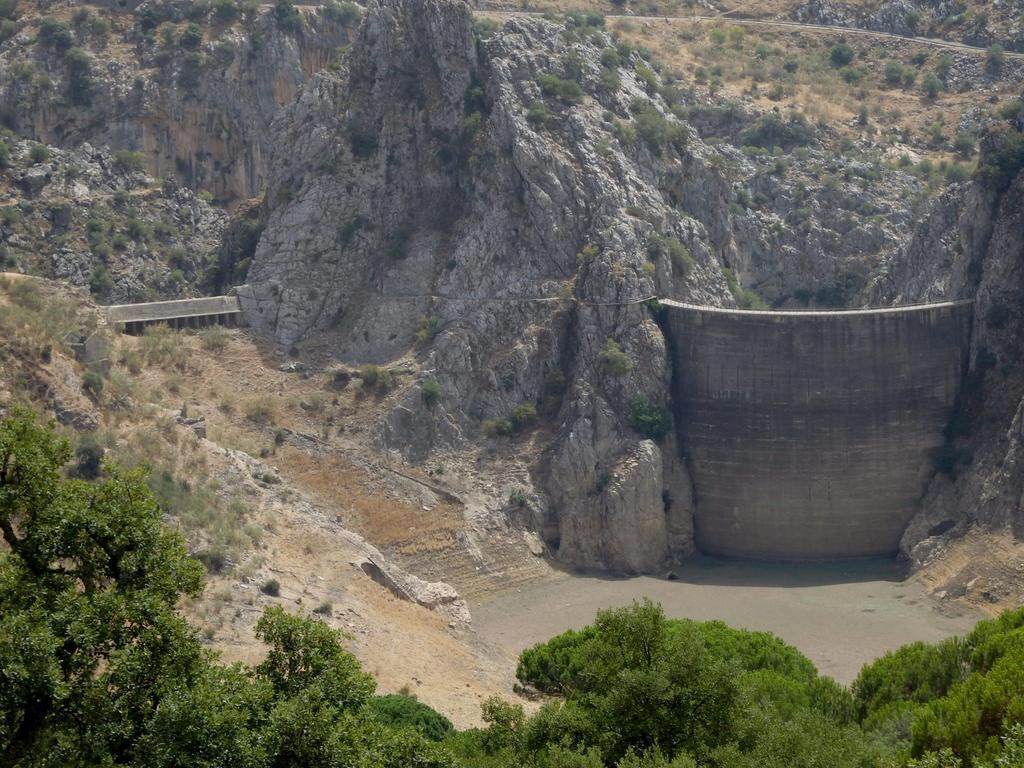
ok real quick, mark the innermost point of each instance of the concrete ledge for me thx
(156, 311)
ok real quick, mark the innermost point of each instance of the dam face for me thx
(808, 434)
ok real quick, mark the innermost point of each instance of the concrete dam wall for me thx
(808, 434)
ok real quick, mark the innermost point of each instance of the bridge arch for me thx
(809, 434)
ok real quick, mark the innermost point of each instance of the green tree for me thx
(88, 630)
(841, 54)
(98, 669)
(931, 85)
(632, 680)
(613, 359)
(402, 711)
(80, 84)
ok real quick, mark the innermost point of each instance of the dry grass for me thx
(368, 508)
(749, 64)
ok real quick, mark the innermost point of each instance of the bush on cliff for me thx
(649, 419)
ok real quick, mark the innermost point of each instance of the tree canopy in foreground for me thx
(97, 668)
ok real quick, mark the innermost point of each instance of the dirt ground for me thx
(840, 616)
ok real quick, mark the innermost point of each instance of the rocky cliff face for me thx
(979, 24)
(194, 93)
(504, 207)
(447, 211)
(95, 221)
(972, 246)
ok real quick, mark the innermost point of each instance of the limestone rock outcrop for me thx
(447, 206)
(972, 246)
(199, 113)
(94, 223)
(504, 206)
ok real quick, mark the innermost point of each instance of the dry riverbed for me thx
(839, 615)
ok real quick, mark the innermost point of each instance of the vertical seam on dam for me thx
(809, 433)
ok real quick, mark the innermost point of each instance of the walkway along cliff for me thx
(809, 435)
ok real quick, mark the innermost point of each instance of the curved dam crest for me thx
(809, 434)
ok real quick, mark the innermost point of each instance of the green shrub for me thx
(494, 427)
(1009, 110)
(957, 173)
(567, 91)
(214, 338)
(1004, 162)
(995, 58)
(88, 456)
(288, 17)
(917, 672)
(346, 14)
(39, 153)
(893, 73)
(610, 81)
(851, 75)
(225, 11)
(129, 160)
(745, 298)
(92, 382)
(931, 85)
(678, 253)
(964, 144)
(138, 230)
(376, 377)
(773, 130)
(191, 38)
(651, 420)
(100, 282)
(610, 58)
(658, 132)
(614, 361)
(970, 718)
(523, 416)
(5, 155)
(428, 329)
(399, 711)
(213, 559)
(537, 115)
(80, 84)
(624, 132)
(271, 587)
(432, 392)
(841, 54)
(56, 34)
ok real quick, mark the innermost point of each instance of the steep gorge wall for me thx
(809, 434)
(973, 245)
(202, 117)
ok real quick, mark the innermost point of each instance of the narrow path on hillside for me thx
(777, 23)
(725, 16)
